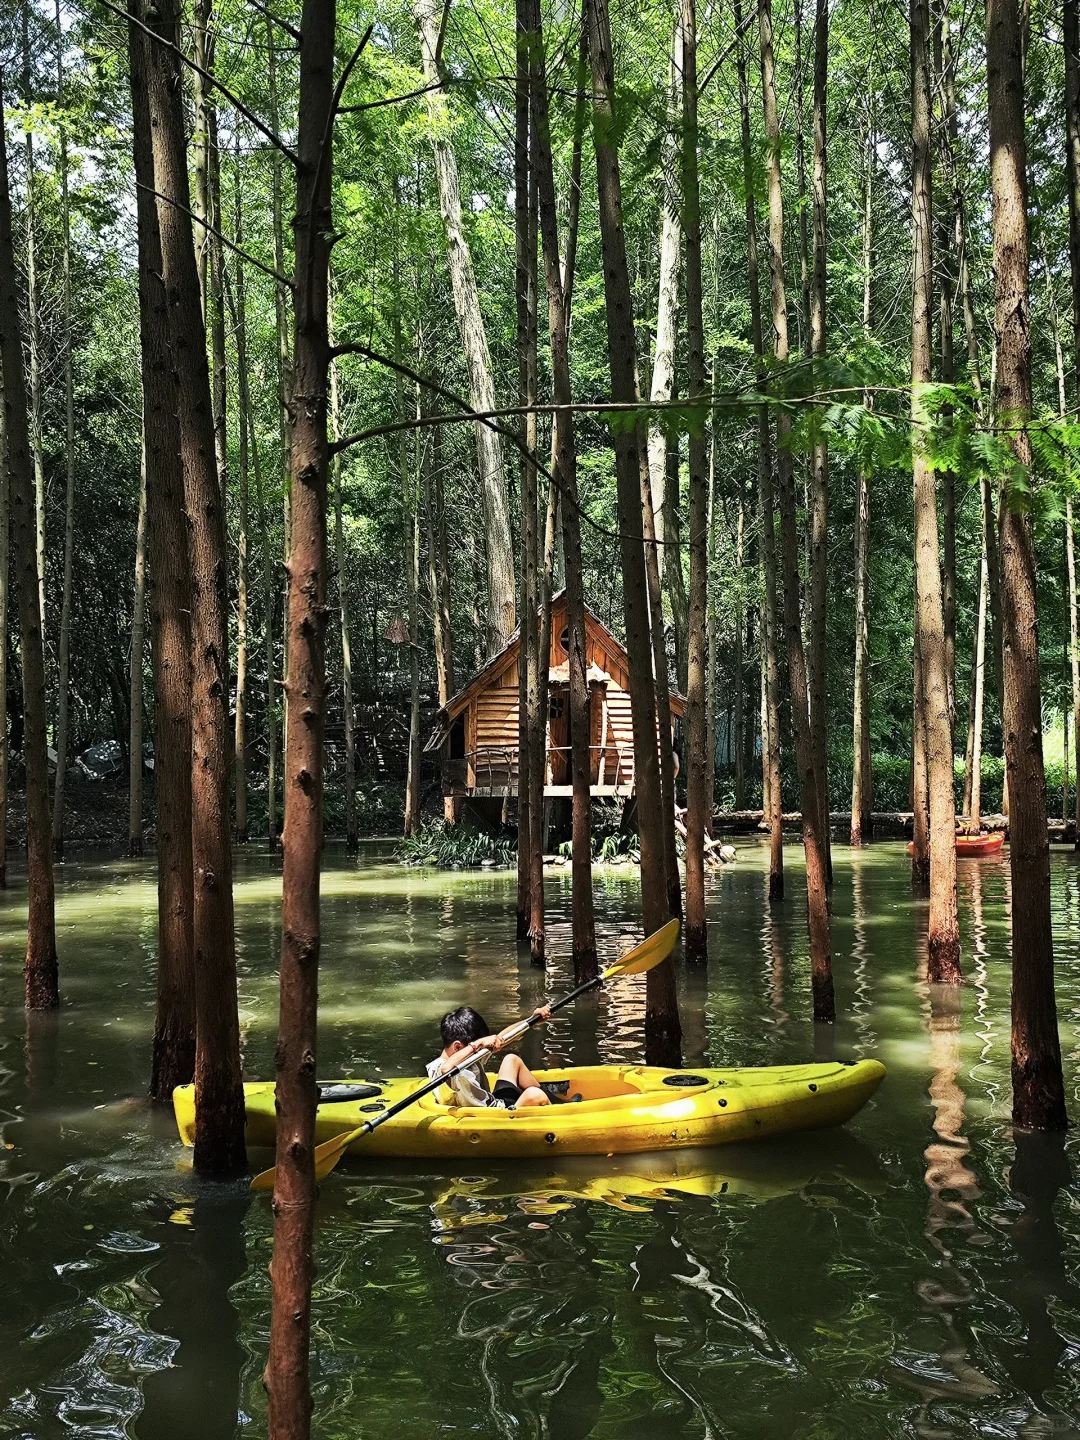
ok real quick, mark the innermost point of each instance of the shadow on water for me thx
(203, 1254)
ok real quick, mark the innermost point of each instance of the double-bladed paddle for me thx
(643, 957)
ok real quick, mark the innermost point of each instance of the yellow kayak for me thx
(624, 1109)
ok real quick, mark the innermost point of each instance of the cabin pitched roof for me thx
(507, 656)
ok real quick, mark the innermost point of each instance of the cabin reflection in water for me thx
(476, 734)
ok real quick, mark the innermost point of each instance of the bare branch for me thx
(391, 99)
(233, 100)
(244, 255)
(277, 20)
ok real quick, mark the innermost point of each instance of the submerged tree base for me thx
(696, 944)
(1038, 1096)
(943, 960)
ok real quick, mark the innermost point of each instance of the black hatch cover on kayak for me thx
(685, 1080)
(338, 1094)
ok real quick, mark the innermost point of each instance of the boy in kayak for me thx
(464, 1032)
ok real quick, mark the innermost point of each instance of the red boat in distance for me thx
(972, 847)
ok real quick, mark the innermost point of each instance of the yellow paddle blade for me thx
(326, 1157)
(650, 952)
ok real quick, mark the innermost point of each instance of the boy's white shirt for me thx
(468, 1088)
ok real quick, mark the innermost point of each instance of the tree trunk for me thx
(33, 325)
(292, 1269)
(663, 1033)
(819, 459)
(269, 597)
(862, 784)
(739, 659)
(974, 807)
(500, 557)
(772, 798)
(219, 1098)
(284, 380)
(667, 305)
(411, 557)
(244, 407)
(943, 939)
(662, 697)
(138, 646)
(697, 947)
(537, 938)
(812, 821)
(525, 290)
(42, 987)
(945, 64)
(800, 178)
(1071, 15)
(352, 836)
(584, 930)
(170, 616)
(64, 652)
(1038, 1087)
(712, 626)
(438, 586)
(920, 794)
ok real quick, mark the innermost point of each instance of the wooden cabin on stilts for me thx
(476, 733)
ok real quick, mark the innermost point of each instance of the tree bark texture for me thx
(697, 802)
(500, 557)
(819, 458)
(663, 1033)
(243, 532)
(1038, 1087)
(943, 939)
(584, 927)
(945, 82)
(219, 1099)
(526, 340)
(352, 835)
(1071, 35)
(33, 327)
(920, 795)
(41, 978)
(138, 648)
(862, 784)
(812, 820)
(292, 1269)
(63, 698)
(173, 1061)
(772, 796)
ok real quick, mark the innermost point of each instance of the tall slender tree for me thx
(584, 933)
(173, 1060)
(42, 983)
(1038, 1086)
(772, 797)
(219, 1122)
(63, 666)
(861, 771)
(663, 1033)
(240, 807)
(135, 678)
(1071, 37)
(500, 557)
(819, 457)
(943, 939)
(697, 801)
(812, 820)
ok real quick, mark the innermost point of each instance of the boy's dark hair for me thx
(464, 1025)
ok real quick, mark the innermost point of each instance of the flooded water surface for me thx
(912, 1274)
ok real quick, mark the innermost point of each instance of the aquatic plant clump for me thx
(457, 847)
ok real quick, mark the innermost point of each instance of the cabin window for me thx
(564, 640)
(457, 738)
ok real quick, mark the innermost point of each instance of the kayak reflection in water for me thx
(464, 1033)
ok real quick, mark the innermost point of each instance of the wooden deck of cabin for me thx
(493, 772)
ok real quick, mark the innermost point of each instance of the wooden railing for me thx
(494, 768)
